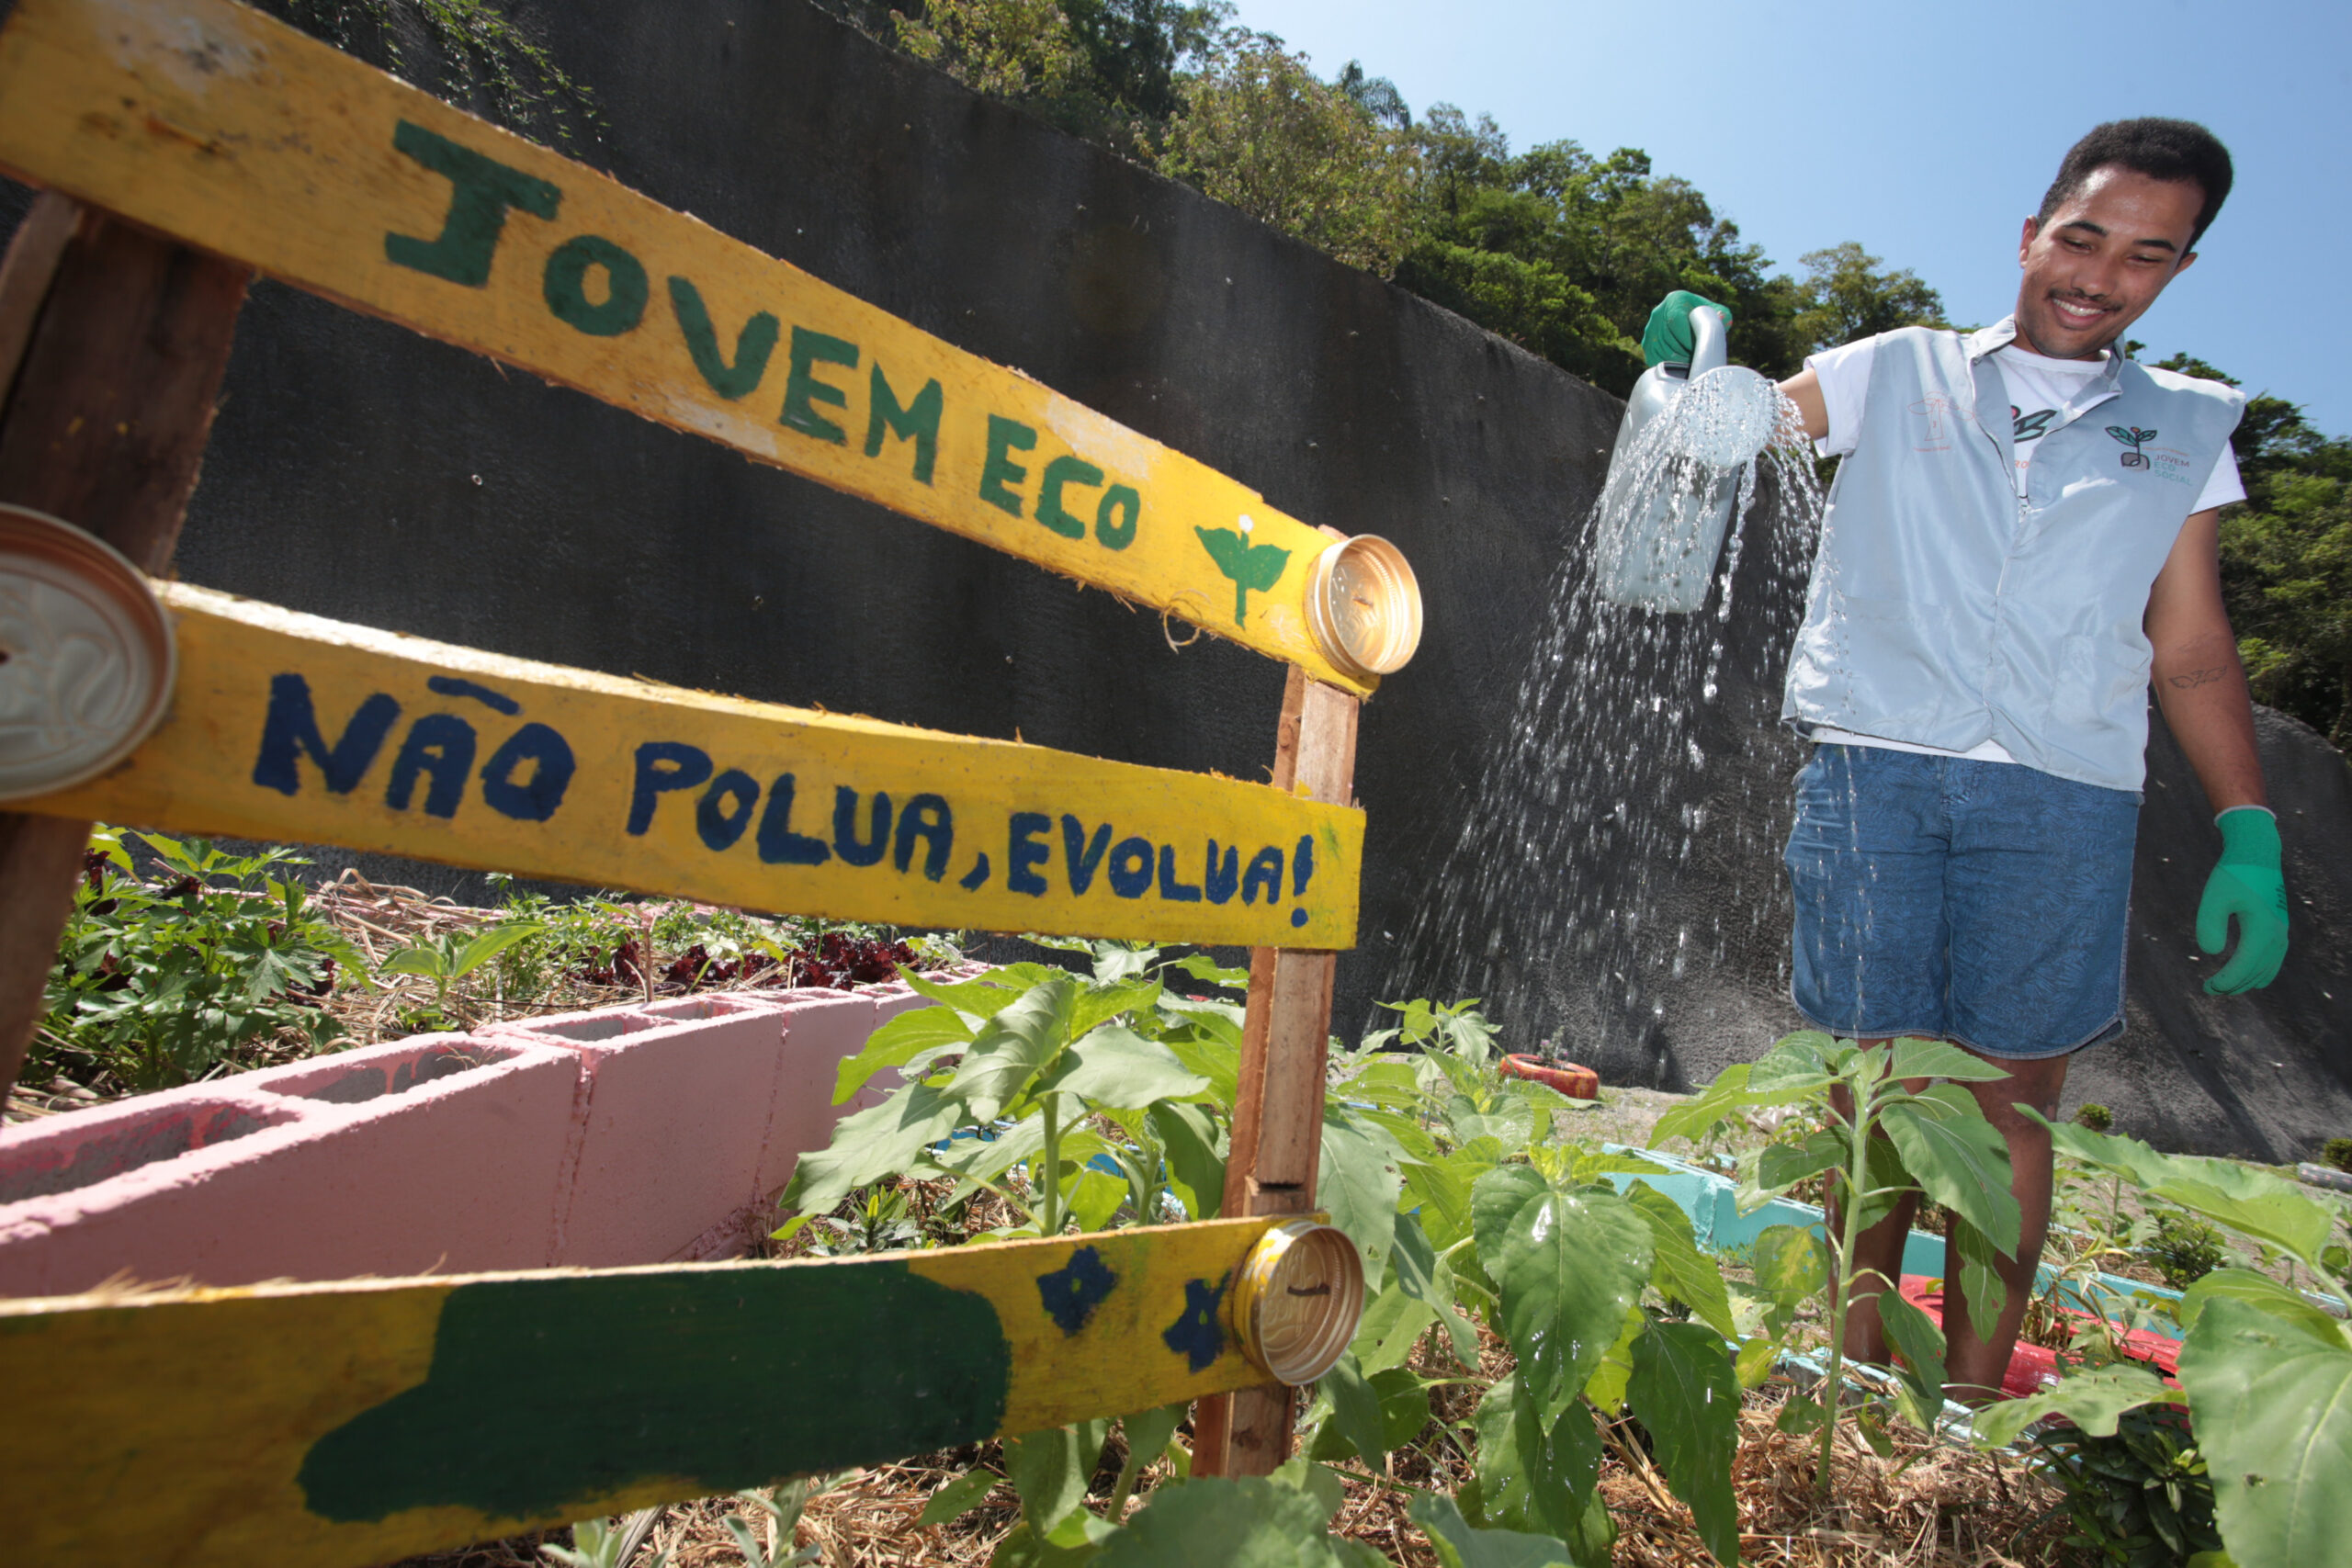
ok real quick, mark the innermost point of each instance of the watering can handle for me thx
(1710, 341)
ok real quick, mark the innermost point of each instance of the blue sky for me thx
(1928, 132)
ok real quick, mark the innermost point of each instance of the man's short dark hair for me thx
(2173, 151)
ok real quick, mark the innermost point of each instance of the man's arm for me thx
(2200, 682)
(1803, 389)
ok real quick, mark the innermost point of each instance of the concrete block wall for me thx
(639, 1134)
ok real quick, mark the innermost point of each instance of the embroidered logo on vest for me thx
(2131, 438)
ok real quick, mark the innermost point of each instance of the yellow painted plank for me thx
(291, 727)
(312, 1425)
(232, 131)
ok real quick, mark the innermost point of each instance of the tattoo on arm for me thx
(2200, 677)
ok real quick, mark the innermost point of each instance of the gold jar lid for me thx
(87, 656)
(1297, 1300)
(1363, 606)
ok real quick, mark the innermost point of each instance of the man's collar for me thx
(2003, 332)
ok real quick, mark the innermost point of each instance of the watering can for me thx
(1662, 521)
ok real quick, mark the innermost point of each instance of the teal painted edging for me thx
(1712, 1200)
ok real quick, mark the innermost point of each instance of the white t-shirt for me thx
(2039, 388)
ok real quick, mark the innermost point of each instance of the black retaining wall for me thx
(362, 472)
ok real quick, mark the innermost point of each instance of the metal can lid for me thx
(87, 656)
(1363, 606)
(1298, 1299)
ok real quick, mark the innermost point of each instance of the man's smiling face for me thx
(2101, 259)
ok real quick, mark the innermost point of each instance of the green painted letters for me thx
(566, 286)
(917, 422)
(752, 344)
(1118, 535)
(481, 191)
(1059, 472)
(802, 391)
(1000, 472)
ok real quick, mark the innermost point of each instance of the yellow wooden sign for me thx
(291, 727)
(234, 132)
(356, 1423)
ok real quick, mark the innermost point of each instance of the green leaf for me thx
(1936, 1059)
(1960, 1159)
(1920, 1343)
(2092, 1399)
(1569, 1266)
(1095, 1196)
(1779, 1166)
(1684, 1393)
(1200, 966)
(1392, 1324)
(958, 1497)
(1099, 1003)
(1755, 1361)
(1987, 1293)
(1680, 1268)
(1441, 1189)
(2252, 1202)
(1188, 1138)
(1533, 1474)
(1355, 1408)
(983, 995)
(870, 1145)
(487, 946)
(1606, 1387)
(1113, 1066)
(1459, 1546)
(1788, 1262)
(418, 958)
(1010, 1049)
(2258, 1290)
(897, 1043)
(1358, 1188)
(1248, 566)
(2272, 1404)
(1050, 1469)
(1256, 1522)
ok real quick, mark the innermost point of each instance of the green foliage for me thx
(487, 64)
(158, 982)
(1257, 129)
(2271, 1399)
(2338, 1152)
(2095, 1116)
(2184, 1249)
(2136, 1492)
(600, 1543)
(449, 958)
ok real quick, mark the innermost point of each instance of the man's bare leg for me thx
(1975, 1367)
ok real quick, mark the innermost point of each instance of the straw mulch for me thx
(1928, 1505)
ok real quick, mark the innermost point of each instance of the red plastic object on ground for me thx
(2033, 1368)
(1577, 1083)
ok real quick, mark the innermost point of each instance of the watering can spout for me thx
(1710, 341)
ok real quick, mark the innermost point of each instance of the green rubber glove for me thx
(2248, 885)
(1668, 339)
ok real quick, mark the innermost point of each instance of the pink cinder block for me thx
(674, 1114)
(820, 1028)
(434, 1153)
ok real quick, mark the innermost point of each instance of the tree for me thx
(1259, 130)
(2287, 559)
(1846, 296)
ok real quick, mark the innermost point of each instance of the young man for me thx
(2022, 535)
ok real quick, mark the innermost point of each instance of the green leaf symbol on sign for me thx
(1249, 565)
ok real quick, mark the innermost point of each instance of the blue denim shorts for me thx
(1983, 903)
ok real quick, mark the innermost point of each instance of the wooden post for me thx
(112, 347)
(1277, 1141)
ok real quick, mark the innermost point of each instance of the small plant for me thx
(602, 1543)
(2338, 1152)
(2095, 1116)
(2184, 1249)
(2139, 1498)
(157, 983)
(447, 959)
